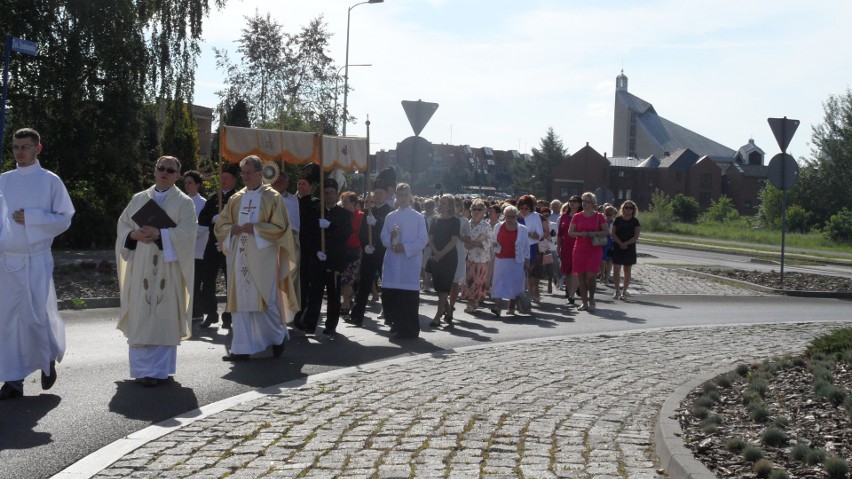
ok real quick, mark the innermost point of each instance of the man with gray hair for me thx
(255, 234)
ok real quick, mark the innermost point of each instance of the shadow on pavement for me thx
(166, 400)
(18, 418)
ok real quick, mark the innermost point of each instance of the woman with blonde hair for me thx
(586, 225)
(443, 236)
(625, 234)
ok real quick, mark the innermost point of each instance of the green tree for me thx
(101, 63)
(545, 159)
(829, 170)
(660, 214)
(286, 80)
(180, 135)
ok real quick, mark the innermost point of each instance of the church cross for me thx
(247, 209)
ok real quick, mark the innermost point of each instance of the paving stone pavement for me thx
(570, 407)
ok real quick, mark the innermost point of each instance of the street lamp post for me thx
(336, 80)
(346, 65)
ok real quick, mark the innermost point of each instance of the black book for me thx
(150, 214)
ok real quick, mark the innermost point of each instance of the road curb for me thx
(766, 289)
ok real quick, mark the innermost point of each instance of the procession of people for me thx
(287, 257)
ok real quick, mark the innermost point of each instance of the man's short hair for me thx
(254, 160)
(170, 158)
(28, 133)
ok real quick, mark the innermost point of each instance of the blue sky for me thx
(504, 72)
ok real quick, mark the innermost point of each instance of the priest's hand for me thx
(146, 234)
(369, 249)
(236, 230)
(18, 216)
(248, 228)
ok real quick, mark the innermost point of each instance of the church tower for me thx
(621, 82)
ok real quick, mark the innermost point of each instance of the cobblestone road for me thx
(574, 407)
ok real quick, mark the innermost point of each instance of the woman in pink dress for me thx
(586, 261)
(565, 246)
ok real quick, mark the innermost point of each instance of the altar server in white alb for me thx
(254, 231)
(404, 235)
(32, 335)
(156, 267)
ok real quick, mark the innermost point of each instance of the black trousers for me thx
(366, 276)
(209, 272)
(196, 289)
(328, 281)
(401, 308)
(305, 262)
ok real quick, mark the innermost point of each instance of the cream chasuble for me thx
(156, 285)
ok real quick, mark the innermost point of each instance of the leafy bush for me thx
(799, 220)
(800, 451)
(685, 208)
(828, 344)
(815, 456)
(758, 412)
(742, 369)
(839, 226)
(721, 211)
(660, 213)
(778, 474)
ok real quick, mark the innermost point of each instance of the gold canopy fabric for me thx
(347, 153)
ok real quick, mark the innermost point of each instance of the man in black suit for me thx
(214, 260)
(373, 257)
(326, 265)
(309, 234)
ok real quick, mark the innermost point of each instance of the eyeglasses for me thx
(22, 147)
(246, 173)
(170, 171)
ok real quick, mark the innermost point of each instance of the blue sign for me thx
(24, 46)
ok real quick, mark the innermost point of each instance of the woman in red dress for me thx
(586, 261)
(565, 246)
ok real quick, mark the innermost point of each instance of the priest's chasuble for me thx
(260, 265)
(156, 285)
(31, 330)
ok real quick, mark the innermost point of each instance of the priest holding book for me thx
(155, 255)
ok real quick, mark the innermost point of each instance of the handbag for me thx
(599, 240)
(547, 258)
(523, 302)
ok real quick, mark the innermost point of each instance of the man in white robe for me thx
(254, 232)
(156, 267)
(404, 236)
(32, 334)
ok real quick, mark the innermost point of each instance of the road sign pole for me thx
(6, 55)
(783, 144)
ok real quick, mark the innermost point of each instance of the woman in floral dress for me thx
(478, 257)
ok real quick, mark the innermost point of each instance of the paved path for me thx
(581, 407)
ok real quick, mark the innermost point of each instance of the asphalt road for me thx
(94, 402)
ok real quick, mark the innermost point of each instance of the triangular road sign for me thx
(783, 129)
(419, 113)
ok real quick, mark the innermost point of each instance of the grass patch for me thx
(758, 236)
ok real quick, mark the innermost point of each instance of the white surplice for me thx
(31, 331)
(256, 326)
(402, 270)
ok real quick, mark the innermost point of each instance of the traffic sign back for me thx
(783, 171)
(783, 129)
(419, 113)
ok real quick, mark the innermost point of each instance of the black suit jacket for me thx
(309, 230)
(205, 218)
(379, 213)
(336, 236)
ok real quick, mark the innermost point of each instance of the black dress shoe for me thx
(147, 382)
(8, 392)
(209, 320)
(47, 381)
(329, 332)
(350, 321)
(236, 357)
(278, 349)
(226, 325)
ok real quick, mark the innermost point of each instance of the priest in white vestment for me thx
(32, 334)
(254, 232)
(156, 266)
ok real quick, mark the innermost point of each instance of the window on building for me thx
(706, 180)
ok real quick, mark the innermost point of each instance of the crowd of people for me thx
(283, 255)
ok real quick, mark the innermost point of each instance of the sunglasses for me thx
(170, 171)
